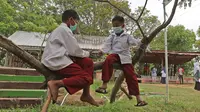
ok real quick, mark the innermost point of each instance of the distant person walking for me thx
(163, 76)
(197, 75)
(154, 74)
(180, 74)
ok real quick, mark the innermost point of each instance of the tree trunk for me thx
(116, 87)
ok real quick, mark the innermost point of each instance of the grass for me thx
(183, 98)
(22, 78)
(22, 93)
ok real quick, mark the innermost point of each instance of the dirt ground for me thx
(75, 98)
(177, 85)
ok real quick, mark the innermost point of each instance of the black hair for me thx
(69, 13)
(118, 18)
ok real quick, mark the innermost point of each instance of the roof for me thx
(34, 40)
(174, 57)
(23, 38)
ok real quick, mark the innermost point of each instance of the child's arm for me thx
(133, 41)
(71, 45)
(136, 42)
(107, 45)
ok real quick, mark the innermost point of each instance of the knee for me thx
(89, 80)
(109, 58)
(88, 61)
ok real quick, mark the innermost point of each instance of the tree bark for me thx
(116, 87)
(26, 57)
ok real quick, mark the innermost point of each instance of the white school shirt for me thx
(180, 71)
(196, 67)
(60, 45)
(154, 72)
(163, 73)
(120, 45)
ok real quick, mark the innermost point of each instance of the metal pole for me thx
(166, 56)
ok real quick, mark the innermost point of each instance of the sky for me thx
(188, 17)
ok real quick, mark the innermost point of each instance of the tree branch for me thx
(164, 24)
(143, 9)
(140, 52)
(28, 58)
(125, 14)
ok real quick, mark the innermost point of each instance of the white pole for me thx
(166, 56)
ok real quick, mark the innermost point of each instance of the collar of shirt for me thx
(124, 33)
(65, 26)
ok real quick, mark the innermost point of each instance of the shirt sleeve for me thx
(107, 45)
(71, 45)
(133, 41)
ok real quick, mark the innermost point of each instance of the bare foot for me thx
(101, 101)
(89, 100)
(54, 90)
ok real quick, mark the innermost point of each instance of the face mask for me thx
(73, 28)
(117, 29)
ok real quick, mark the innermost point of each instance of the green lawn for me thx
(24, 93)
(22, 78)
(182, 99)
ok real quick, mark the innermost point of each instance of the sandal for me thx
(142, 103)
(101, 90)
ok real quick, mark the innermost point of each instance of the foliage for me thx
(148, 23)
(197, 43)
(179, 39)
(7, 21)
(185, 3)
(44, 16)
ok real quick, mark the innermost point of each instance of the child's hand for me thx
(100, 53)
(97, 53)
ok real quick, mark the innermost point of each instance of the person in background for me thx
(180, 74)
(197, 75)
(163, 76)
(154, 74)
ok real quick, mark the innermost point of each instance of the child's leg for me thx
(107, 69)
(87, 65)
(132, 81)
(75, 79)
(86, 97)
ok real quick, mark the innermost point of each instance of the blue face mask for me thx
(117, 29)
(73, 28)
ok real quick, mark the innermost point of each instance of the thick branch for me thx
(25, 56)
(162, 26)
(116, 87)
(140, 52)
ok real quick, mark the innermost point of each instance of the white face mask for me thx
(117, 29)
